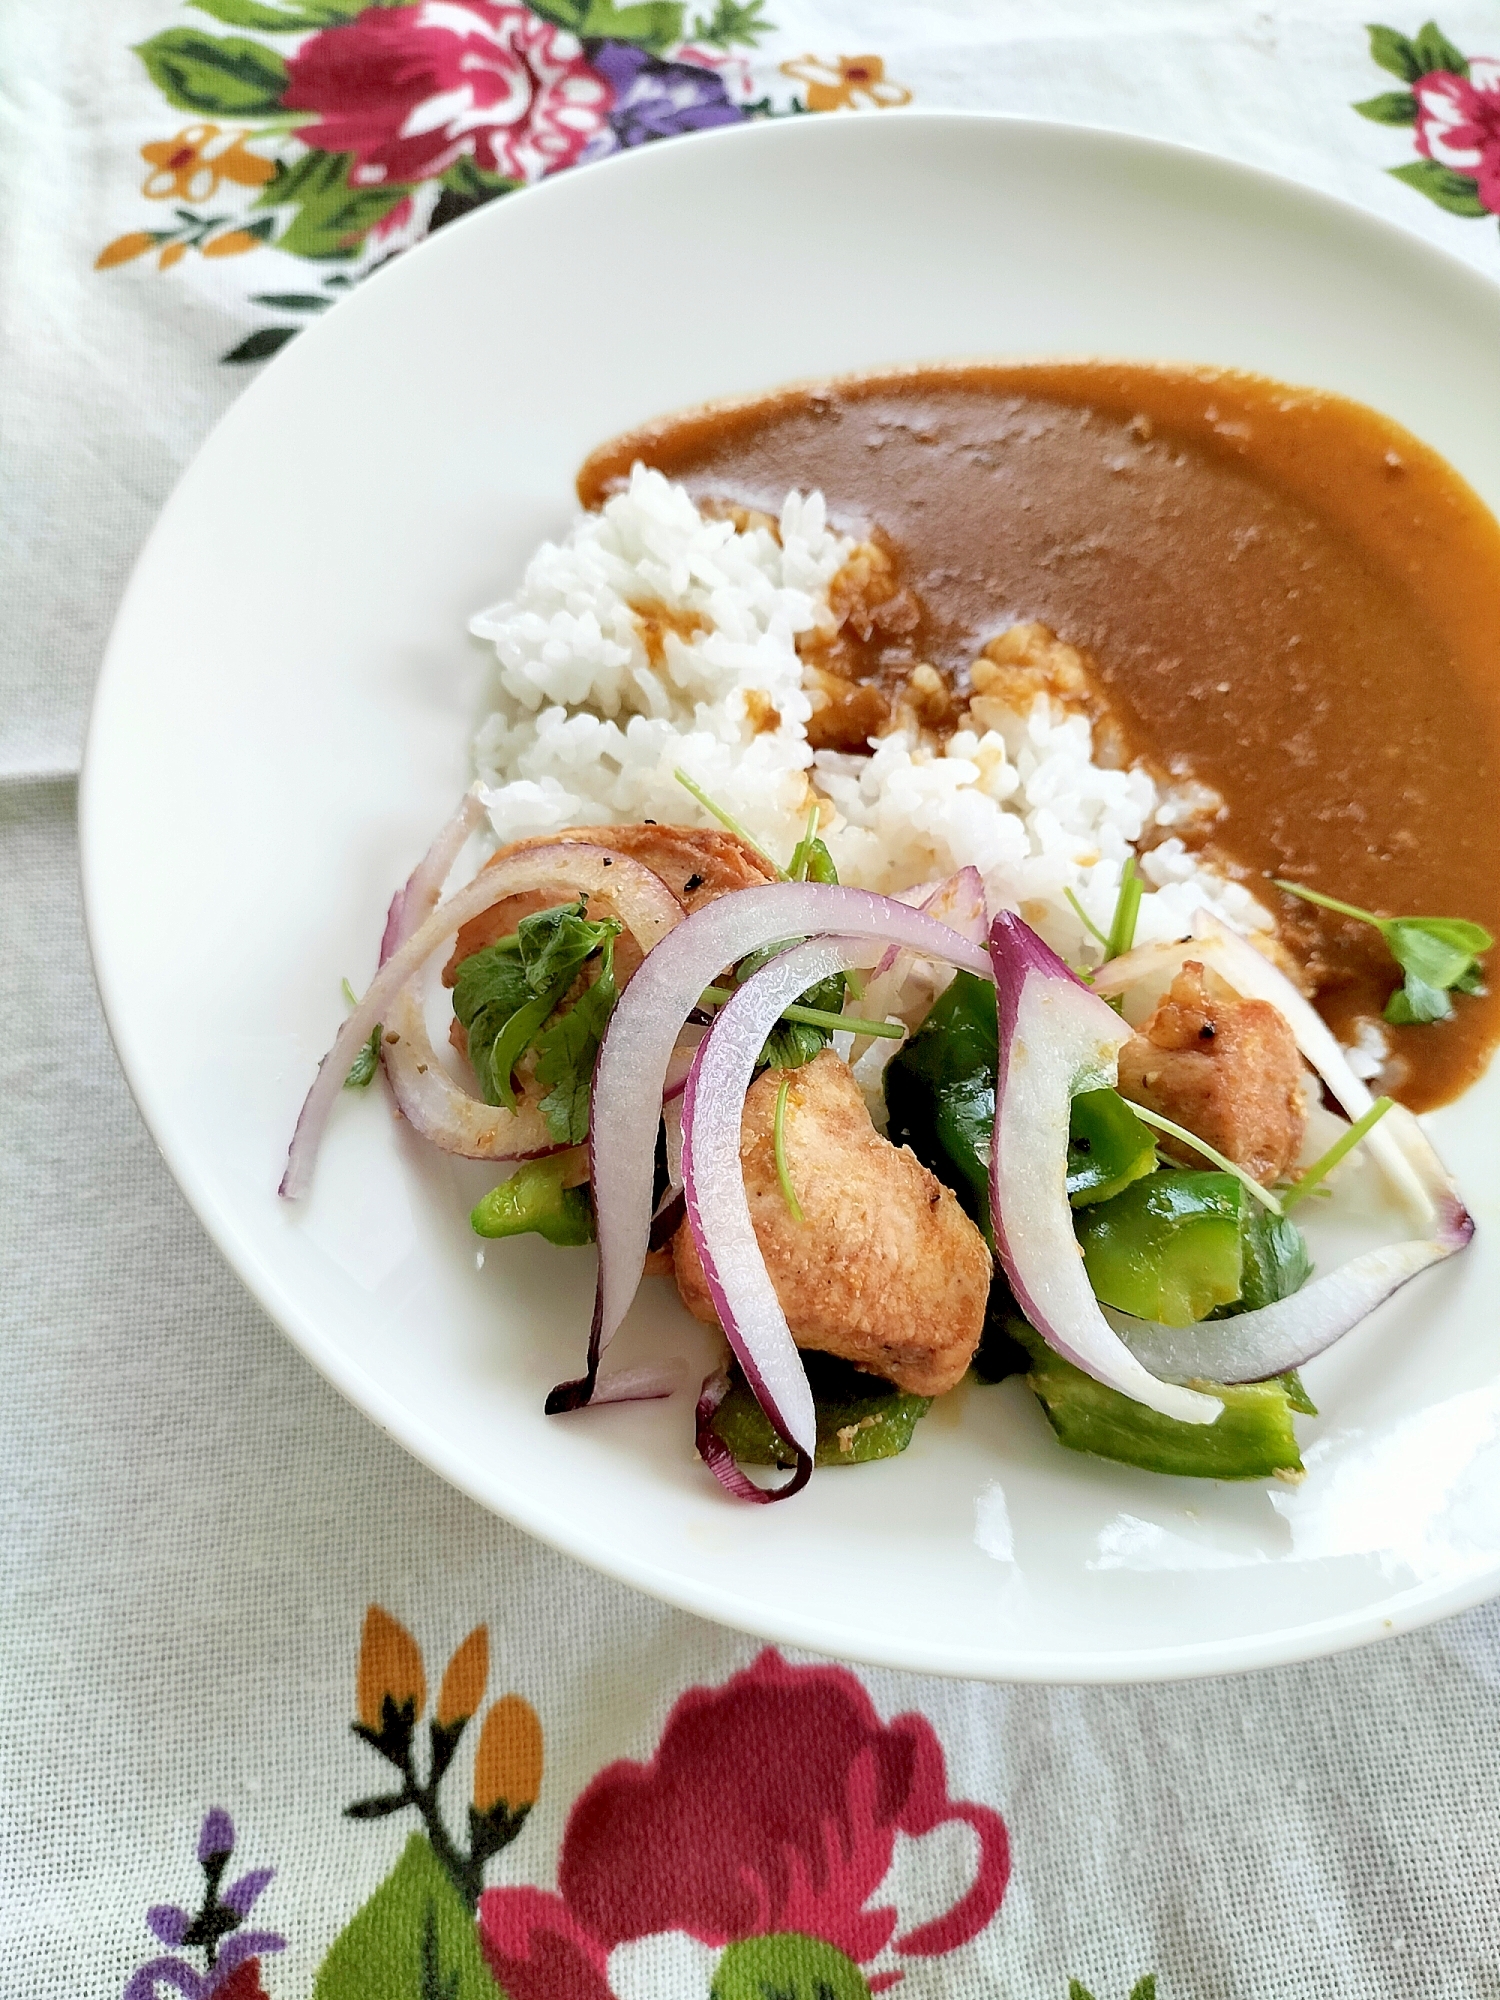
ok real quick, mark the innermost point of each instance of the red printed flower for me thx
(1458, 123)
(409, 90)
(771, 1808)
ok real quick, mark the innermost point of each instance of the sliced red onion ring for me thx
(682, 1062)
(645, 903)
(646, 1384)
(412, 905)
(719, 1459)
(1253, 1346)
(1253, 975)
(1056, 1038)
(713, 1182)
(637, 1047)
(958, 901)
(439, 1109)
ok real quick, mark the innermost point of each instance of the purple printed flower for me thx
(240, 1896)
(655, 99)
(168, 1922)
(215, 1836)
(232, 1954)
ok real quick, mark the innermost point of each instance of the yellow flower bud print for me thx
(390, 1665)
(231, 244)
(136, 244)
(463, 1682)
(508, 1768)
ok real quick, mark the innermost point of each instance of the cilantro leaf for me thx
(1437, 955)
(505, 994)
(567, 1053)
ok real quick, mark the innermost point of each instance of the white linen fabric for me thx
(195, 1523)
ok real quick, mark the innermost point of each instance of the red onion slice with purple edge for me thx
(638, 1044)
(645, 903)
(1253, 1346)
(1056, 1039)
(413, 904)
(718, 1210)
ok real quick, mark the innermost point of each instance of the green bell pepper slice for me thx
(1170, 1248)
(1253, 1437)
(860, 1417)
(534, 1201)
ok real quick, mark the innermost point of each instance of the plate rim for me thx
(1402, 1612)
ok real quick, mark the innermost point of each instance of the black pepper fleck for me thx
(693, 882)
(1206, 1032)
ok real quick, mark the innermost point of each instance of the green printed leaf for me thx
(732, 23)
(655, 25)
(1392, 107)
(280, 17)
(311, 302)
(1434, 51)
(1457, 193)
(787, 1966)
(332, 218)
(1145, 1988)
(262, 345)
(415, 1939)
(214, 76)
(466, 186)
(1394, 52)
(1078, 1991)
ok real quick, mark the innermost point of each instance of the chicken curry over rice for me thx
(953, 923)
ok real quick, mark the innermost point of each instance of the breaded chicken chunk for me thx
(885, 1270)
(1227, 1069)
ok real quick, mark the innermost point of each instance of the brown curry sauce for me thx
(1286, 596)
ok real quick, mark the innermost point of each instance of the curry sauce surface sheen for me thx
(1287, 596)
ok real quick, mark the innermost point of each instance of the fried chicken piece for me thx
(885, 1270)
(1225, 1069)
(698, 864)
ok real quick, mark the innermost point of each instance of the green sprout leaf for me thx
(1127, 911)
(783, 1173)
(365, 1064)
(1438, 955)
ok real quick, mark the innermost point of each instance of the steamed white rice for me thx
(587, 730)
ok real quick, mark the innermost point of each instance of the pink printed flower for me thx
(771, 1807)
(409, 90)
(1458, 123)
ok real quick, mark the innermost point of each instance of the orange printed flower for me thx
(191, 166)
(463, 1682)
(390, 1666)
(847, 83)
(508, 1768)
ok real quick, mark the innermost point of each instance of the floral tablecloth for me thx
(279, 1713)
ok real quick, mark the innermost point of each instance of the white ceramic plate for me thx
(284, 719)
